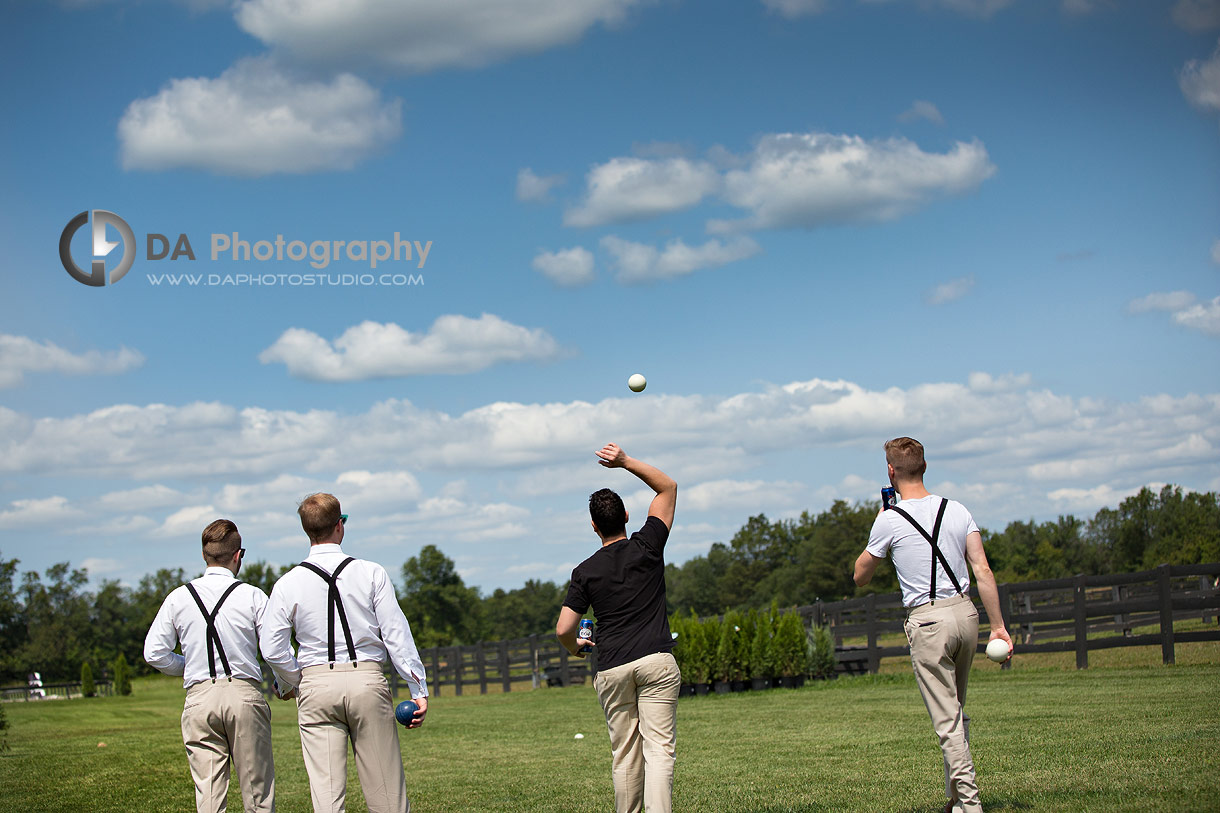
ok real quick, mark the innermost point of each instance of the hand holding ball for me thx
(997, 650)
(637, 383)
(405, 713)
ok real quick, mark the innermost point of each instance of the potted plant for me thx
(761, 664)
(820, 646)
(679, 627)
(790, 657)
(726, 645)
(707, 634)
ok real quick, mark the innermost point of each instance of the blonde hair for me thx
(906, 456)
(319, 515)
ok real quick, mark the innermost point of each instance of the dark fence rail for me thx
(1077, 614)
(1080, 614)
(53, 691)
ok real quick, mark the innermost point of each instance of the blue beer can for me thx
(888, 498)
(585, 636)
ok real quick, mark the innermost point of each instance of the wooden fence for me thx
(1075, 614)
(59, 691)
(1079, 614)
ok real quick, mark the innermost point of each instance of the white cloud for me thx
(752, 496)
(921, 109)
(1184, 310)
(568, 266)
(20, 355)
(36, 512)
(807, 180)
(795, 8)
(100, 567)
(1200, 81)
(255, 119)
(142, 499)
(1202, 316)
(1009, 382)
(995, 430)
(626, 189)
(1197, 15)
(187, 522)
(637, 262)
(454, 344)
(1171, 301)
(950, 291)
(423, 34)
(536, 188)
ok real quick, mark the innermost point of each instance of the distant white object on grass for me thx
(998, 650)
(673, 635)
(579, 737)
(637, 383)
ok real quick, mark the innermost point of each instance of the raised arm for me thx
(662, 507)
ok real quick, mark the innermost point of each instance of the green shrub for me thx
(709, 629)
(746, 644)
(87, 687)
(122, 675)
(4, 746)
(731, 648)
(821, 650)
(762, 665)
(789, 645)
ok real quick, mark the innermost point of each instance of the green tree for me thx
(87, 687)
(122, 675)
(441, 609)
(57, 616)
(528, 610)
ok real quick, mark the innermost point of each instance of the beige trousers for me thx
(350, 702)
(943, 636)
(229, 723)
(641, 704)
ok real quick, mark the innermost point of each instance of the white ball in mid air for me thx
(637, 383)
(997, 650)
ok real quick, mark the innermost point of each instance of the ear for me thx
(593, 525)
(626, 516)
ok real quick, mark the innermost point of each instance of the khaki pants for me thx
(350, 702)
(229, 723)
(943, 636)
(641, 704)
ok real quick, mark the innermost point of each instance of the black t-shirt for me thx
(624, 582)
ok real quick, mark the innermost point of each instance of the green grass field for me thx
(1127, 738)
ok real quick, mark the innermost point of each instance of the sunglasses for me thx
(343, 519)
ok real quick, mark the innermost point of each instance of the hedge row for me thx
(756, 644)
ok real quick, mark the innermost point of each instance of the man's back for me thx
(894, 534)
(624, 583)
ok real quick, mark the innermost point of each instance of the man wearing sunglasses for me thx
(225, 721)
(348, 624)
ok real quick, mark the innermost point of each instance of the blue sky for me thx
(993, 225)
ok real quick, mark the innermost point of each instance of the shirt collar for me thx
(323, 549)
(214, 570)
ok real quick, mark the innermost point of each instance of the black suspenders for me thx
(213, 638)
(936, 554)
(334, 602)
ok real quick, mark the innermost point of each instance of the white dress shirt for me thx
(238, 624)
(912, 554)
(380, 632)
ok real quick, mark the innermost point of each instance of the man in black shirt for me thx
(638, 679)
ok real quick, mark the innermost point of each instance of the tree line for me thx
(53, 623)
